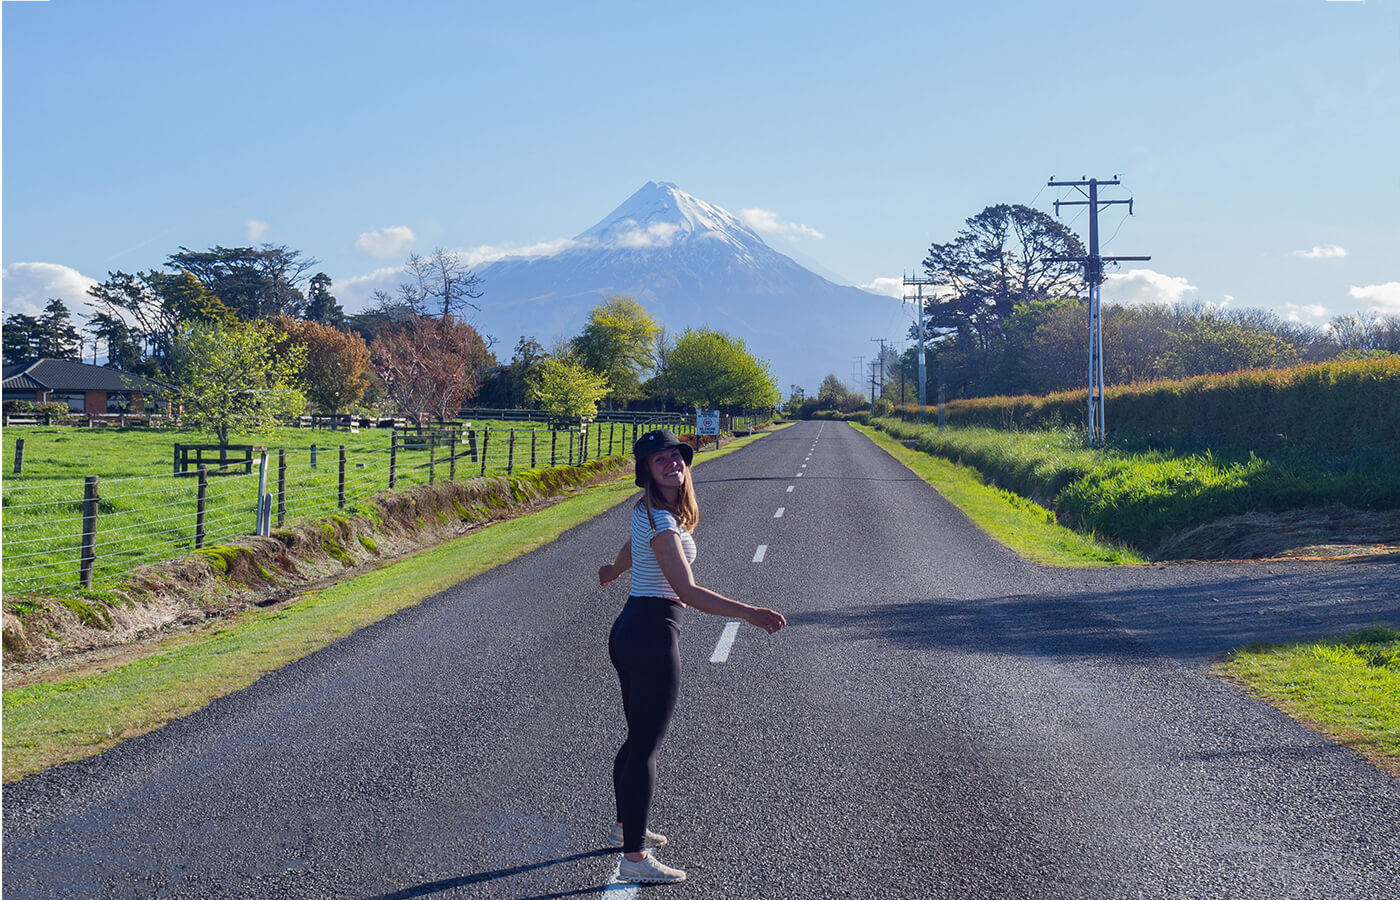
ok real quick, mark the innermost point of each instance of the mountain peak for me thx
(660, 214)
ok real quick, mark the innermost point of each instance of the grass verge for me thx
(1348, 688)
(1024, 526)
(68, 719)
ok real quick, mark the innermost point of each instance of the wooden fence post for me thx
(533, 432)
(393, 459)
(432, 460)
(176, 468)
(281, 487)
(313, 456)
(341, 503)
(89, 544)
(553, 443)
(452, 459)
(510, 458)
(201, 495)
(485, 442)
(571, 446)
(19, 455)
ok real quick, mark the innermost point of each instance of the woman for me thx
(642, 644)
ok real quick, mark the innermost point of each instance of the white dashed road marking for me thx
(726, 642)
(779, 513)
(760, 553)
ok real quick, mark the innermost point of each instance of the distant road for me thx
(940, 719)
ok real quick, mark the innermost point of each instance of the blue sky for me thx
(1259, 138)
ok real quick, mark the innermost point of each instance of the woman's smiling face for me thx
(667, 467)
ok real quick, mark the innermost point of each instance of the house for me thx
(94, 390)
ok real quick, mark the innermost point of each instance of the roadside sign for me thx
(707, 423)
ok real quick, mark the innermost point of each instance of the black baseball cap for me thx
(655, 442)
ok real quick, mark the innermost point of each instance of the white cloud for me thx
(1141, 287)
(1305, 312)
(486, 254)
(255, 230)
(886, 287)
(28, 287)
(766, 222)
(1384, 298)
(1331, 251)
(386, 244)
(657, 234)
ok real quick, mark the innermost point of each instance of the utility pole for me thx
(918, 284)
(881, 342)
(1093, 276)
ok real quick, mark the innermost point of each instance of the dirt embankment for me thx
(216, 582)
(1326, 532)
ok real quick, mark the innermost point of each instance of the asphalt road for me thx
(939, 719)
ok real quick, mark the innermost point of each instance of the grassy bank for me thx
(1144, 497)
(71, 718)
(1019, 523)
(1348, 688)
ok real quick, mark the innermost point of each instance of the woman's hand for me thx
(767, 619)
(606, 574)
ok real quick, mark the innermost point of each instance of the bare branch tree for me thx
(440, 284)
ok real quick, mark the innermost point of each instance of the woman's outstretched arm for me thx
(671, 557)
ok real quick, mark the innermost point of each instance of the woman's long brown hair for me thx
(686, 511)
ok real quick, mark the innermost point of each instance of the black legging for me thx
(642, 647)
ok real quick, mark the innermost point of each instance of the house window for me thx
(118, 402)
(76, 400)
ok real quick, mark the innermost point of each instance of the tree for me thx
(47, 336)
(1005, 257)
(233, 379)
(321, 306)
(567, 389)
(618, 344)
(145, 310)
(714, 370)
(440, 284)
(255, 283)
(431, 367)
(1211, 346)
(336, 372)
(123, 344)
(834, 395)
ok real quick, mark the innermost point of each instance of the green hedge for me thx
(1342, 408)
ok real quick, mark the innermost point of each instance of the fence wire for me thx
(143, 519)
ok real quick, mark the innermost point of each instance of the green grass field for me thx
(145, 514)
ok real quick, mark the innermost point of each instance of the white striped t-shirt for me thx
(647, 578)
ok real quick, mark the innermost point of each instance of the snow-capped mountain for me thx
(690, 264)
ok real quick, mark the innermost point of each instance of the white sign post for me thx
(707, 423)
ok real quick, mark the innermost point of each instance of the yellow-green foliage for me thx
(1337, 407)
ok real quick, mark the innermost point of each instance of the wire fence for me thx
(63, 536)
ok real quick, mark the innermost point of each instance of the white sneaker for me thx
(649, 870)
(651, 839)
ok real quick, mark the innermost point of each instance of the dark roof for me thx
(71, 375)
